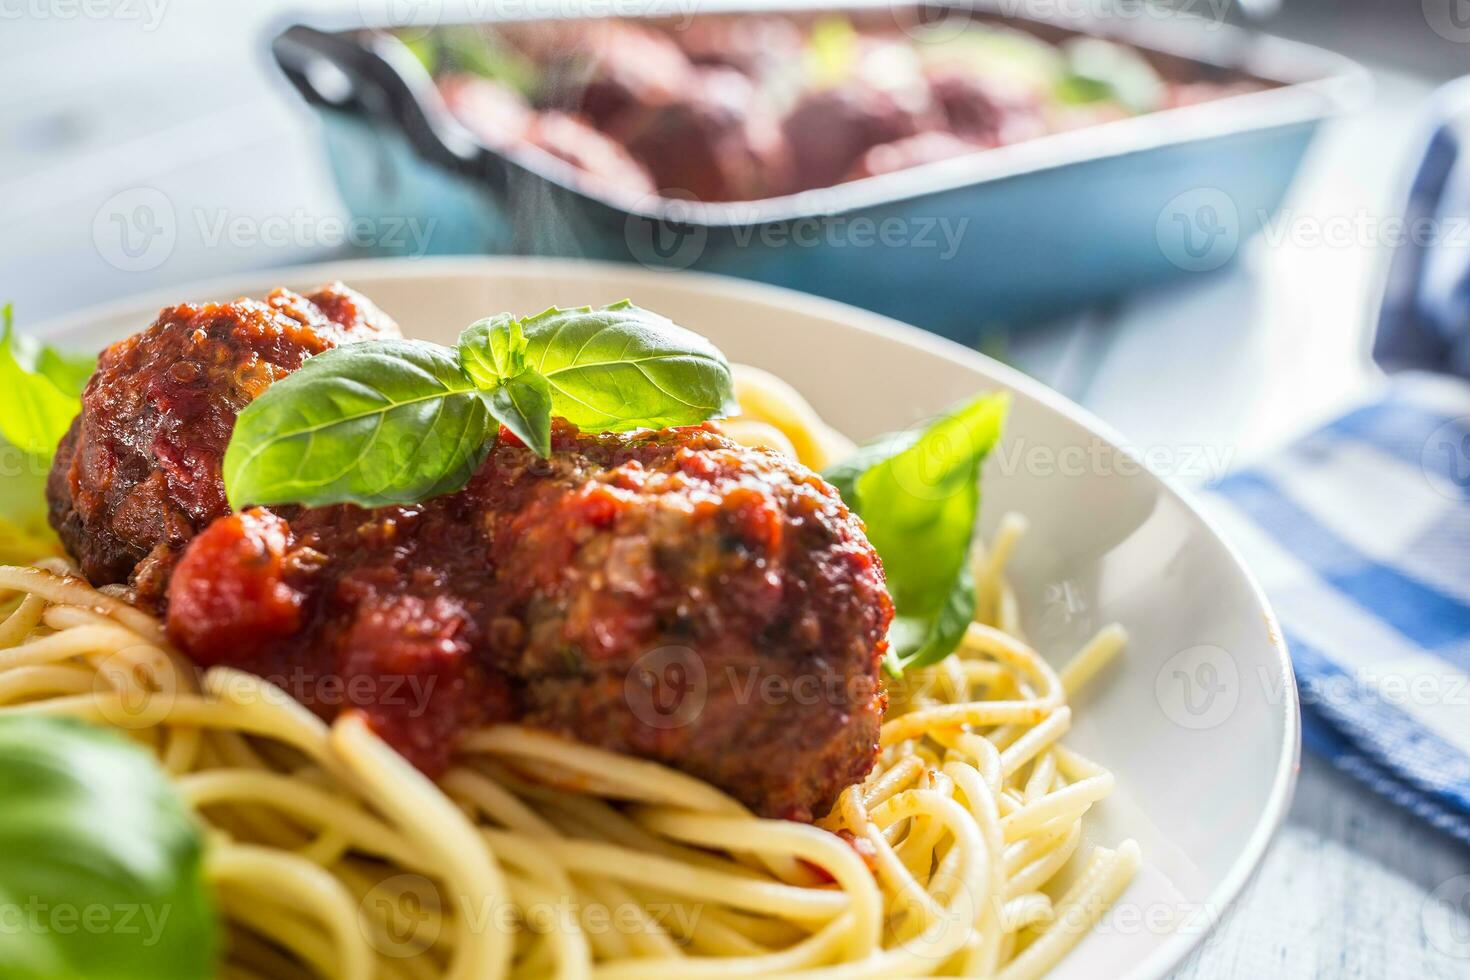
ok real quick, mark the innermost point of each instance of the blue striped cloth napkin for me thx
(1360, 535)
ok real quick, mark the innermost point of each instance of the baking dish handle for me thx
(376, 77)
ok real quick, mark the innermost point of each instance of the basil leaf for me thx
(523, 405)
(467, 49)
(377, 423)
(25, 532)
(101, 873)
(69, 372)
(833, 50)
(40, 395)
(39, 391)
(1100, 70)
(621, 368)
(493, 350)
(919, 495)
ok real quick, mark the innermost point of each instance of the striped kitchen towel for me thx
(1360, 535)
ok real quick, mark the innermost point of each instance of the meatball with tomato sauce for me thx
(667, 594)
(138, 474)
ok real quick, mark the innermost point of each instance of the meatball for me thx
(761, 47)
(830, 129)
(604, 68)
(672, 595)
(604, 160)
(502, 119)
(495, 113)
(887, 158)
(138, 474)
(986, 111)
(717, 142)
(1182, 94)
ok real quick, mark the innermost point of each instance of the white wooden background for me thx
(101, 97)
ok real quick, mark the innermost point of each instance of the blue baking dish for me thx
(1001, 236)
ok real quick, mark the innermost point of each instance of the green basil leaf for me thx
(919, 495)
(377, 423)
(468, 49)
(1100, 70)
(523, 405)
(69, 372)
(621, 368)
(25, 531)
(833, 51)
(101, 864)
(39, 391)
(493, 350)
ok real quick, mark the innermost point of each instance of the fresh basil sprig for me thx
(101, 864)
(398, 422)
(493, 353)
(918, 492)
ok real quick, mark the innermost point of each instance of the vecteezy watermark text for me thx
(137, 230)
(407, 909)
(36, 917)
(148, 14)
(678, 236)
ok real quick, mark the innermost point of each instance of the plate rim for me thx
(1221, 901)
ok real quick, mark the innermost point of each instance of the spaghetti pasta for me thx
(536, 856)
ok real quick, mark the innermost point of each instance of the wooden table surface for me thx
(1238, 361)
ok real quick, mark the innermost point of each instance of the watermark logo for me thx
(135, 687)
(1363, 229)
(1445, 917)
(1199, 462)
(408, 235)
(673, 240)
(1445, 459)
(17, 464)
(946, 926)
(1208, 14)
(1450, 19)
(1199, 230)
(1199, 687)
(412, 20)
(943, 234)
(678, 238)
(667, 688)
(35, 918)
(148, 14)
(1064, 609)
(931, 21)
(135, 230)
(404, 915)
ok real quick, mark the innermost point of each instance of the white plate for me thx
(1199, 721)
